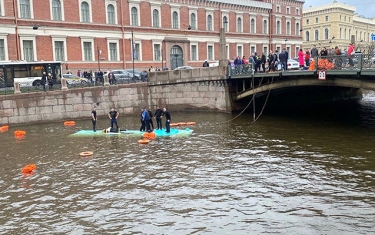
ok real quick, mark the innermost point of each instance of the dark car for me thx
(121, 74)
(138, 74)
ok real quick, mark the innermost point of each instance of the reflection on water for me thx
(307, 171)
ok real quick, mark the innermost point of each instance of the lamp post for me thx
(99, 52)
(133, 53)
(161, 52)
(223, 45)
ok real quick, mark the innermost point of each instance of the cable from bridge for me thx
(265, 102)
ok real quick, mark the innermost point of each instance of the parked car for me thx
(183, 68)
(292, 64)
(138, 74)
(121, 74)
(73, 79)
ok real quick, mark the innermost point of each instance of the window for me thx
(307, 36)
(326, 32)
(297, 29)
(278, 9)
(278, 27)
(316, 35)
(288, 28)
(87, 51)
(113, 51)
(25, 9)
(209, 23)
(239, 25)
(194, 52)
(297, 11)
(341, 33)
(85, 12)
(157, 52)
(111, 18)
(59, 51)
(136, 51)
(252, 49)
(327, 18)
(28, 50)
(225, 23)
(155, 18)
(210, 52)
(56, 10)
(307, 21)
(193, 21)
(265, 50)
(239, 50)
(316, 20)
(265, 27)
(134, 12)
(288, 10)
(252, 26)
(2, 49)
(175, 20)
(345, 18)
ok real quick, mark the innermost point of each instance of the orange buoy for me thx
(28, 168)
(19, 133)
(173, 124)
(149, 135)
(4, 128)
(181, 123)
(69, 123)
(191, 123)
(86, 154)
(144, 141)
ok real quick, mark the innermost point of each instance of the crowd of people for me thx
(146, 118)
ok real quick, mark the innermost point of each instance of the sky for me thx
(363, 7)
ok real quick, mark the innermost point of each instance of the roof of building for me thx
(248, 3)
(329, 6)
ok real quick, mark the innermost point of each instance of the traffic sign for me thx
(322, 75)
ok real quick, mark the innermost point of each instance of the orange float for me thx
(149, 135)
(173, 124)
(69, 123)
(4, 128)
(191, 123)
(144, 141)
(28, 168)
(86, 154)
(182, 123)
(19, 134)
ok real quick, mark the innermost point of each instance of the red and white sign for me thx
(322, 75)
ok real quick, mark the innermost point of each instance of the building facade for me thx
(336, 24)
(114, 34)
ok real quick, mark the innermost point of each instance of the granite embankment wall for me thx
(199, 89)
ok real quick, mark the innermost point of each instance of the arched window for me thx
(360, 35)
(209, 22)
(134, 12)
(193, 21)
(307, 36)
(239, 25)
(175, 20)
(252, 26)
(316, 35)
(297, 29)
(288, 28)
(155, 18)
(225, 23)
(345, 34)
(85, 12)
(326, 34)
(111, 14)
(349, 35)
(56, 10)
(25, 9)
(356, 35)
(265, 27)
(278, 27)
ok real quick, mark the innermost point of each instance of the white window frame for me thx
(287, 12)
(253, 46)
(117, 49)
(195, 11)
(242, 52)
(90, 9)
(31, 9)
(253, 17)
(278, 8)
(62, 9)
(297, 11)
(227, 48)
(88, 39)
(153, 50)
(242, 23)
(266, 51)
(286, 27)
(263, 26)
(281, 25)
(2, 10)
(4, 37)
(136, 5)
(297, 31)
(211, 12)
(191, 54)
(28, 38)
(155, 6)
(222, 20)
(176, 9)
(137, 41)
(213, 50)
(59, 39)
(114, 4)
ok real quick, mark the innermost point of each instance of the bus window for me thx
(21, 71)
(37, 70)
(2, 81)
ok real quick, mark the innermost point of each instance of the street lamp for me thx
(223, 44)
(99, 53)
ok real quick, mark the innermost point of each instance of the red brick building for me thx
(85, 34)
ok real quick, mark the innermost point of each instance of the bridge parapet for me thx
(188, 75)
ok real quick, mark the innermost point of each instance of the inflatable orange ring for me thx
(28, 168)
(149, 135)
(191, 123)
(4, 128)
(19, 133)
(143, 141)
(86, 154)
(69, 123)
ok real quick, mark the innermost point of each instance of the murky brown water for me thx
(290, 173)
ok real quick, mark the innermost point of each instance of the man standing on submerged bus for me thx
(158, 115)
(167, 120)
(113, 115)
(44, 80)
(94, 118)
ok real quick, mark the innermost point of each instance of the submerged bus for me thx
(27, 73)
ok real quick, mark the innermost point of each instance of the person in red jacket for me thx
(307, 57)
(351, 52)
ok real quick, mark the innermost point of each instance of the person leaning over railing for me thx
(338, 58)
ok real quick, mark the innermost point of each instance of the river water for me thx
(296, 171)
